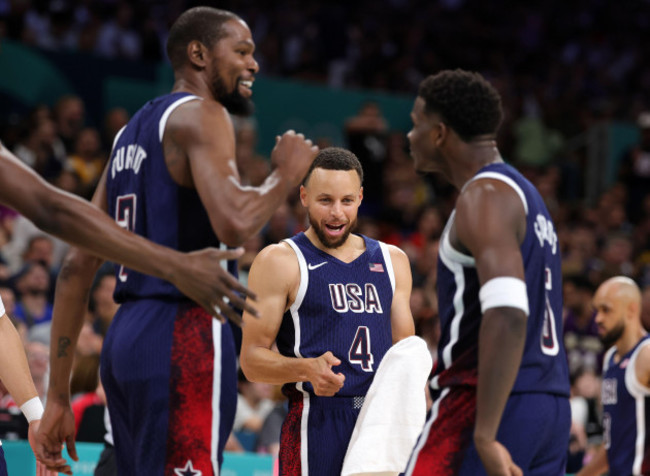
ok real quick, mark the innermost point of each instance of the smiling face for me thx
(232, 68)
(332, 199)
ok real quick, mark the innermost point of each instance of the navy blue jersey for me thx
(343, 308)
(544, 364)
(143, 197)
(626, 414)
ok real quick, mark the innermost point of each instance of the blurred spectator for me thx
(42, 150)
(38, 358)
(69, 116)
(253, 406)
(635, 169)
(117, 38)
(87, 160)
(367, 133)
(581, 340)
(33, 308)
(22, 232)
(114, 120)
(102, 306)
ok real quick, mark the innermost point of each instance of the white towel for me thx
(393, 413)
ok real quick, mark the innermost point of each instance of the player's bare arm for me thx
(236, 212)
(642, 367)
(276, 291)
(490, 223)
(401, 319)
(198, 275)
(14, 373)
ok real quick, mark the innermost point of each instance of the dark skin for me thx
(489, 225)
(199, 146)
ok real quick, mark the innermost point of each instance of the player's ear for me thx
(303, 195)
(196, 53)
(360, 195)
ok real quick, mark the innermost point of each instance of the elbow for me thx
(248, 368)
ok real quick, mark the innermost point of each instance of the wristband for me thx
(32, 409)
(504, 291)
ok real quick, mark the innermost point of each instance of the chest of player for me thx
(350, 290)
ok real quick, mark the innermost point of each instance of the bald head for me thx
(618, 310)
(622, 289)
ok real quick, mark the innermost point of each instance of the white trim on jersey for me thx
(117, 136)
(424, 436)
(503, 178)
(295, 315)
(640, 393)
(216, 394)
(169, 110)
(452, 253)
(389, 264)
(459, 307)
(607, 358)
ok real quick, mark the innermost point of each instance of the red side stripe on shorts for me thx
(190, 405)
(290, 439)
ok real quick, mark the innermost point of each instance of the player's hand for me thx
(496, 459)
(48, 435)
(202, 279)
(292, 155)
(325, 382)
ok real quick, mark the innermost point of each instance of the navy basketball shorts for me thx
(3, 463)
(534, 428)
(316, 433)
(169, 372)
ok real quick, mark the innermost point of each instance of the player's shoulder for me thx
(395, 252)
(279, 254)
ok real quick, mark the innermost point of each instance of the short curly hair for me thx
(335, 158)
(465, 100)
(204, 24)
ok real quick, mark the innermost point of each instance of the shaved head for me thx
(623, 289)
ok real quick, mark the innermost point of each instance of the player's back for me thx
(543, 367)
(343, 308)
(143, 197)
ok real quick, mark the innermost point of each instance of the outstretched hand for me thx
(201, 278)
(47, 436)
(497, 460)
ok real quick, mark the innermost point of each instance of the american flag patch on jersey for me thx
(377, 267)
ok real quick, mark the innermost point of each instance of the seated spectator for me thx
(253, 406)
(33, 287)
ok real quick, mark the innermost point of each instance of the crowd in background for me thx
(557, 65)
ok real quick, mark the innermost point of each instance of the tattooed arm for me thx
(70, 304)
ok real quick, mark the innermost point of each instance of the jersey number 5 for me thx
(125, 217)
(360, 352)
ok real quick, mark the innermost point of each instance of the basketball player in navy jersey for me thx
(168, 368)
(68, 217)
(625, 392)
(500, 387)
(334, 302)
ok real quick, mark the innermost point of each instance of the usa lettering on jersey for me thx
(351, 297)
(608, 392)
(128, 157)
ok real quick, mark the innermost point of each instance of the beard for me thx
(328, 242)
(613, 335)
(233, 101)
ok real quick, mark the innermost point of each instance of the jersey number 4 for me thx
(125, 217)
(360, 352)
